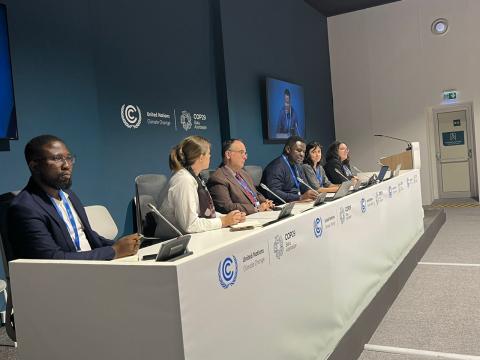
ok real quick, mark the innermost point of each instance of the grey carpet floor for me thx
(374, 355)
(7, 351)
(458, 241)
(439, 307)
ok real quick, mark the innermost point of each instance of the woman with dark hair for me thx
(338, 161)
(314, 172)
(186, 200)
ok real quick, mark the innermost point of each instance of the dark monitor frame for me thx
(11, 77)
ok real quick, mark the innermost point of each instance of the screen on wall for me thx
(8, 117)
(285, 110)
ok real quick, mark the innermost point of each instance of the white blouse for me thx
(181, 206)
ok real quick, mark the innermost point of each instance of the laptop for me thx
(284, 213)
(382, 173)
(341, 192)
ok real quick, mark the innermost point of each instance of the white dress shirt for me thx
(84, 244)
(181, 206)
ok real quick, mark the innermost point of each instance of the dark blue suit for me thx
(36, 231)
(278, 178)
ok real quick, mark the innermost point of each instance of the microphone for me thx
(308, 186)
(155, 210)
(265, 187)
(340, 173)
(357, 169)
(409, 144)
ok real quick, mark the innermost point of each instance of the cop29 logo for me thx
(318, 227)
(278, 247)
(363, 205)
(186, 120)
(228, 271)
(131, 116)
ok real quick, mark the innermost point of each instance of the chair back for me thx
(148, 188)
(101, 221)
(7, 255)
(6, 247)
(255, 171)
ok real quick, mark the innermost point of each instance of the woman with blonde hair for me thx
(186, 200)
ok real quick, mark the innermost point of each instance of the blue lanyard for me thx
(76, 240)
(297, 184)
(244, 184)
(347, 170)
(319, 176)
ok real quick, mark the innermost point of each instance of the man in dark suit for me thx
(282, 173)
(231, 187)
(47, 220)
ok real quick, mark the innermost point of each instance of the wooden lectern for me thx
(409, 159)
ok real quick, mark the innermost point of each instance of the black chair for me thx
(148, 188)
(7, 255)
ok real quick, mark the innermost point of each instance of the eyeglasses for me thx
(60, 159)
(241, 152)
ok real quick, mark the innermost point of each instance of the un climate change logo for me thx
(131, 116)
(317, 227)
(228, 271)
(363, 205)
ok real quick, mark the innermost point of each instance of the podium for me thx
(409, 159)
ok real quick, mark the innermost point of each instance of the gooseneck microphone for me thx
(265, 187)
(155, 210)
(300, 180)
(340, 173)
(409, 144)
(357, 169)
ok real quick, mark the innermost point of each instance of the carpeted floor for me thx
(439, 307)
(454, 203)
(7, 349)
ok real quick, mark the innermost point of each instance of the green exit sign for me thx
(450, 95)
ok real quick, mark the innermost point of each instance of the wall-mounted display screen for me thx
(8, 117)
(285, 109)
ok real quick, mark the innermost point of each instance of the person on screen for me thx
(232, 187)
(281, 175)
(46, 220)
(314, 172)
(287, 120)
(338, 160)
(187, 203)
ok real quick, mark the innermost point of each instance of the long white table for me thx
(286, 291)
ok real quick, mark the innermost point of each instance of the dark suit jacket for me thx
(332, 175)
(278, 178)
(36, 231)
(228, 194)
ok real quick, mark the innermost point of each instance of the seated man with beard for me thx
(47, 220)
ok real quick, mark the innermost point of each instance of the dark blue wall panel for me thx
(75, 64)
(283, 39)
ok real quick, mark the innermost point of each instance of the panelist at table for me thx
(337, 167)
(281, 174)
(232, 187)
(187, 202)
(314, 172)
(46, 220)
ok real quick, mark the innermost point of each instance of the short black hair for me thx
(287, 92)
(227, 144)
(33, 149)
(311, 145)
(292, 140)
